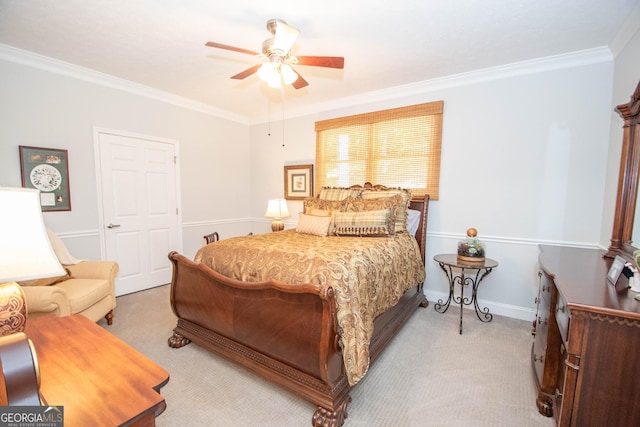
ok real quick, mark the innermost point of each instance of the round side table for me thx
(456, 272)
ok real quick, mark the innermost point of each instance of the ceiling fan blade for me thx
(285, 36)
(233, 48)
(300, 82)
(322, 61)
(246, 73)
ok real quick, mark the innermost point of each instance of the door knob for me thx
(113, 225)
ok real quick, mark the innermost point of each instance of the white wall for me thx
(268, 158)
(48, 109)
(523, 161)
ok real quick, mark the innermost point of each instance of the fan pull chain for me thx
(268, 118)
(282, 97)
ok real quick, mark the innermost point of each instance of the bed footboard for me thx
(286, 334)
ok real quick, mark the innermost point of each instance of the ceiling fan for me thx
(277, 58)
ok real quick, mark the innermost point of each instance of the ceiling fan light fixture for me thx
(275, 73)
(267, 72)
(277, 57)
(288, 75)
(284, 35)
(275, 84)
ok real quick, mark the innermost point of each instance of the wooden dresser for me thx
(586, 352)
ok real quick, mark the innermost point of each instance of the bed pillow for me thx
(364, 223)
(401, 213)
(393, 203)
(338, 193)
(320, 212)
(324, 212)
(413, 221)
(325, 205)
(311, 224)
(356, 204)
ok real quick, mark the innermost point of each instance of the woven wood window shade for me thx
(398, 148)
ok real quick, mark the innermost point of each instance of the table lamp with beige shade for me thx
(25, 254)
(277, 209)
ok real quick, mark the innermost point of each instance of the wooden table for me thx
(99, 379)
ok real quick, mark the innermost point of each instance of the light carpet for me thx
(428, 376)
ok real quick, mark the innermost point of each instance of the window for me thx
(397, 148)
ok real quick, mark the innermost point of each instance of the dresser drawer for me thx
(563, 317)
(539, 350)
(544, 292)
(559, 390)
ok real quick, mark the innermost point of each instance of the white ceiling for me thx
(161, 43)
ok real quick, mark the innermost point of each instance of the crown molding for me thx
(630, 26)
(45, 63)
(555, 62)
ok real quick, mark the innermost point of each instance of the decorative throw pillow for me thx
(401, 213)
(338, 193)
(352, 204)
(316, 225)
(324, 212)
(315, 203)
(320, 212)
(364, 223)
(394, 204)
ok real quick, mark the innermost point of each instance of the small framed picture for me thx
(616, 268)
(298, 182)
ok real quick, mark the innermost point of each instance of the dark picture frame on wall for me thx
(47, 170)
(298, 182)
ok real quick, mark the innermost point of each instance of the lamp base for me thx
(13, 306)
(277, 226)
(20, 370)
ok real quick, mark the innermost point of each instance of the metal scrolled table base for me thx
(448, 263)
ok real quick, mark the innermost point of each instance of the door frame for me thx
(98, 168)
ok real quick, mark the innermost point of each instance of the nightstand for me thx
(465, 274)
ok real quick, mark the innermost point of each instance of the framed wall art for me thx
(47, 170)
(298, 182)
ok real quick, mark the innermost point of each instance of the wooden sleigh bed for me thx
(288, 333)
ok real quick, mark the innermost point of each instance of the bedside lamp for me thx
(25, 253)
(277, 209)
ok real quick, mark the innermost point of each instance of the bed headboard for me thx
(421, 204)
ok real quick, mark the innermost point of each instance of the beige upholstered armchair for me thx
(88, 287)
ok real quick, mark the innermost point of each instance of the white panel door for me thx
(140, 211)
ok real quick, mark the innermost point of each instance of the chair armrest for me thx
(94, 270)
(46, 299)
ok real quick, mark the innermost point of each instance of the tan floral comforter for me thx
(368, 274)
